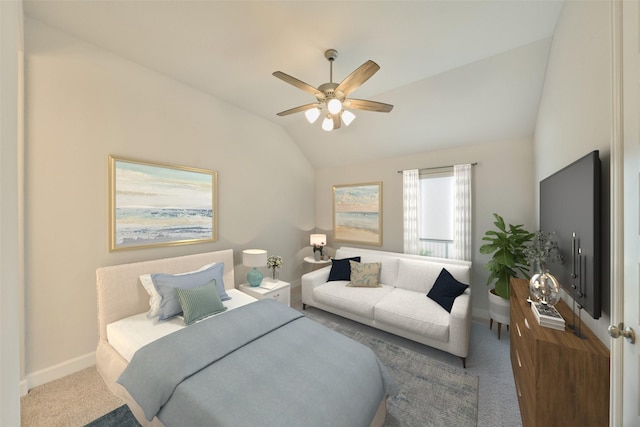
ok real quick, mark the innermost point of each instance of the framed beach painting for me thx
(357, 213)
(153, 205)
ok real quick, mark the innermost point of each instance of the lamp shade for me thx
(254, 257)
(327, 124)
(318, 239)
(312, 115)
(347, 117)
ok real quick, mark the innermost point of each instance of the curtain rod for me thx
(438, 167)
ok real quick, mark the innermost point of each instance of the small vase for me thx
(317, 255)
(275, 275)
(543, 286)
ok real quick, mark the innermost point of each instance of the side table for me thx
(279, 291)
(316, 264)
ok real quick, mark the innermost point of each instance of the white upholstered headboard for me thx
(120, 293)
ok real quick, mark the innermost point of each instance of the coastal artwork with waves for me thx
(161, 205)
(357, 213)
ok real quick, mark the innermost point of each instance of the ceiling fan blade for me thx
(363, 104)
(297, 83)
(336, 121)
(297, 109)
(354, 80)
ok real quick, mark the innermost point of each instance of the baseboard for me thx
(479, 314)
(58, 371)
(24, 388)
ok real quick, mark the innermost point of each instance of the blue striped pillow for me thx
(166, 285)
(198, 303)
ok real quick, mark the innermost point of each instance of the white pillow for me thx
(154, 297)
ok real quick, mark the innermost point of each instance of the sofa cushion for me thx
(364, 275)
(407, 310)
(446, 290)
(417, 275)
(340, 269)
(359, 301)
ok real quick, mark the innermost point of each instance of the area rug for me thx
(119, 417)
(429, 392)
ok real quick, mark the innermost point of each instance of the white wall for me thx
(575, 111)
(84, 103)
(11, 44)
(503, 183)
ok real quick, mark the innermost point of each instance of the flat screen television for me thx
(570, 207)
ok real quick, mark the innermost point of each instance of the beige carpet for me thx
(71, 401)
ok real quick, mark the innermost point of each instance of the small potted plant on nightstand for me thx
(274, 262)
(507, 245)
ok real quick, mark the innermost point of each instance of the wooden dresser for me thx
(561, 380)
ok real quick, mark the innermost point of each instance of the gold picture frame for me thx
(154, 205)
(357, 213)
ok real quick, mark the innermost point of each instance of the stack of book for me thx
(547, 316)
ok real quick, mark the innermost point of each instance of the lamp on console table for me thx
(318, 241)
(254, 258)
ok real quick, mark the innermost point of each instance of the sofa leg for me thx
(464, 362)
(304, 306)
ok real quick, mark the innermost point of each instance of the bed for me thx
(307, 386)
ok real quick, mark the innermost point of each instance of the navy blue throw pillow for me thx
(340, 269)
(446, 289)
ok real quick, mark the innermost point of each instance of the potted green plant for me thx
(507, 246)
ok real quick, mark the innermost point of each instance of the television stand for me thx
(561, 380)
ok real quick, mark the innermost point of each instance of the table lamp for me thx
(254, 258)
(318, 241)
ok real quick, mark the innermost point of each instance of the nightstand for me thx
(279, 291)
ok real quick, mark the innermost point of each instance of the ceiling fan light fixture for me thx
(331, 98)
(334, 106)
(347, 117)
(327, 123)
(312, 115)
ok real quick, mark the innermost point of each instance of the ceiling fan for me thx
(331, 98)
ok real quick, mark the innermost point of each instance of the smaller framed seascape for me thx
(357, 213)
(152, 205)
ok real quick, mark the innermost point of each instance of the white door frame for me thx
(617, 215)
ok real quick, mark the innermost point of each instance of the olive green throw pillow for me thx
(198, 303)
(364, 275)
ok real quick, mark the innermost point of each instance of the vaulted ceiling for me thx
(457, 72)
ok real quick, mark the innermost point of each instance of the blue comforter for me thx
(261, 364)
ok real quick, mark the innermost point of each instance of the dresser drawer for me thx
(523, 340)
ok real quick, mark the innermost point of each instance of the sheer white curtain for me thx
(462, 212)
(411, 203)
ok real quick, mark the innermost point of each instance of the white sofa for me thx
(400, 306)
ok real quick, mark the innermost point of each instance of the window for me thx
(436, 213)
